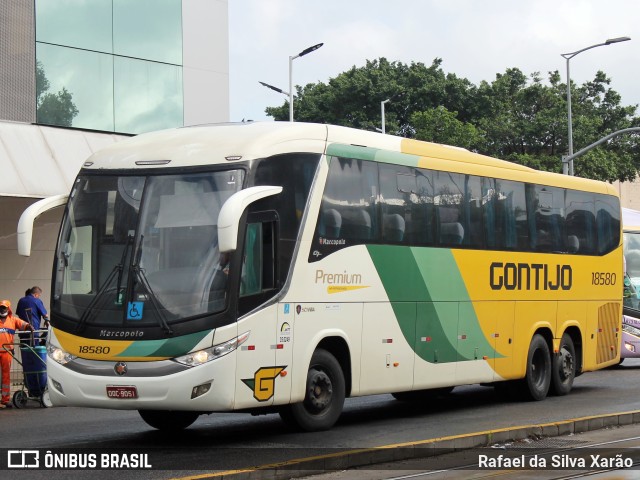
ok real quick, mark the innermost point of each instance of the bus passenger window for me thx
(607, 223)
(573, 244)
(348, 214)
(451, 233)
(449, 197)
(488, 212)
(548, 231)
(580, 221)
(251, 279)
(512, 231)
(356, 224)
(393, 228)
(331, 223)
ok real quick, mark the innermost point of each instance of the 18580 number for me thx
(603, 278)
(97, 350)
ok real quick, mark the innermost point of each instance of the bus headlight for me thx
(208, 354)
(59, 355)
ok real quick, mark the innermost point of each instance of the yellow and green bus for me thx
(286, 266)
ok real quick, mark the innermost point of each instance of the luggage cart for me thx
(32, 358)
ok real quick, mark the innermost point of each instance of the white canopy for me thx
(630, 219)
(38, 161)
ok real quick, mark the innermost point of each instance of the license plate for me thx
(119, 391)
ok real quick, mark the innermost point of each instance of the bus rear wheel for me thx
(324, 395)
(563, 369)
(168, 420)
(535, 384)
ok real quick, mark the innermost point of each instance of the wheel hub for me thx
(320, 390)
(566, 364)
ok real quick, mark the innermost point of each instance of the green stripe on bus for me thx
(431, 303)
(373, 154)
(397, 158)
(350, 151)
(171, 347)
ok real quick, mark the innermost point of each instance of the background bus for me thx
(631, 318)
(285, 266)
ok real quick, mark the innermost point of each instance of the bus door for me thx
(258, 372)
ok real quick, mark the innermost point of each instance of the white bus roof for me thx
(210, 144)
(226, 143)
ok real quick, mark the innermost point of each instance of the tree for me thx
(439, 125)
(516, 117)
(353, 97)
(53, 108)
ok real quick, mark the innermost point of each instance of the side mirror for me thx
(232, 210)
(25, 224)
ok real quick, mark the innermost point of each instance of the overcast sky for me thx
(475, 38)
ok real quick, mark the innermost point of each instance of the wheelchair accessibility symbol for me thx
(134, 310)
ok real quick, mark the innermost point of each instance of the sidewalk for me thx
(335, 462)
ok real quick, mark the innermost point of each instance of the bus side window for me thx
(258, 260)
(449, 200)
(393, 226)
(356, 224)
(580, 222)
(250, 280)
(512, 231)
(472, 219)
(548, 223)
(489, 212)
(607, 223)
(330, 223)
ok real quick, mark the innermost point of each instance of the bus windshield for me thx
(143, 250)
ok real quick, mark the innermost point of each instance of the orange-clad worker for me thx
(8, 326)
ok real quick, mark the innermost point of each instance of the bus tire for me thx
(537, 380)
(324, 397)
(168, 420)
(563, 367)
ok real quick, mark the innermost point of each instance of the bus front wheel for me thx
(324, 395)
(535, 385)
(167, 420)
(563, 370)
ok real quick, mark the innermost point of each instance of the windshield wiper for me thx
(139, 273)
(119, 268)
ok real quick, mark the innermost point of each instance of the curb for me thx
(300, 467)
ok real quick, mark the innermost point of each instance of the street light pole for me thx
(567, 167)
(291, 59)
(382, 113)
(275, 89)
(393, 97)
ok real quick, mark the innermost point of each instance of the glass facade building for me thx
(102, 70)
(110, 65)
